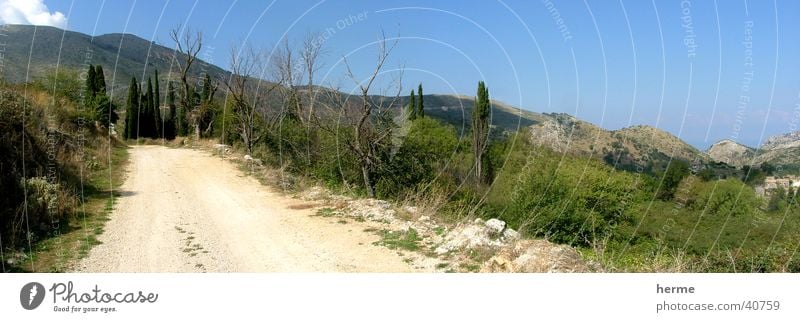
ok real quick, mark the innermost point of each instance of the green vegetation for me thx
(58, 189)
(407, 240)
(637, 222)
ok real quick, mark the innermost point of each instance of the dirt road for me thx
(187, 211)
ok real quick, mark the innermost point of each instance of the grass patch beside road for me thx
(60, 251)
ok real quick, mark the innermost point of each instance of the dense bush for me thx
(418, 158)
(569, 202)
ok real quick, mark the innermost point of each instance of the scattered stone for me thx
(411, 209)
(466, 237)
(536, 256)
(372, 209)
(222, 148)
(511, 235)
(315, 193)
(496, 226)
(252, 161)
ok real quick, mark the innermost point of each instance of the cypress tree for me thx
(100, 80)
(89, 90)
(132, 110)
(420, 104)
(157, 105)
(172, 117)
(148, 118)
(144, 113)
(480, 133)
(181, 126)
(205, 94)
(180, 122)
(412, 108)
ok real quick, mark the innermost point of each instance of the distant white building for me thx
(781, 182)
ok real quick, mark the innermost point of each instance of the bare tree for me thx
(187, 45)
(309, 58)
(249, 94)
(290, 72)
(310, 54)
(367, 117)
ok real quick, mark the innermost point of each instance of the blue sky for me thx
(613, 63)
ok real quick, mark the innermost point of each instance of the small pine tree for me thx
(412, 106)
(420, 103)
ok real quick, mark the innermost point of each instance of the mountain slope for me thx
(121, 55)
(134, 56)
(731, 152)
(630, 148)
(780, 150)
(457, 110)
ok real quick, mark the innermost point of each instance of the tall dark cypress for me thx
(149, 117)
(157, 91)
(205, 93)
(172, 118)
(158, 125)
(132, 110)
(480, 133)
(157, 106)
(91, 87)
(100, 80)
(420, 103)
(412, 107)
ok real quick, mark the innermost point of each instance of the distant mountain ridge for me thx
(639, 148)
(629, 148)
(121, 55)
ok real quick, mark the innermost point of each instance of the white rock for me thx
(315, 193)
(373, 209)
(469, 236)
(511, 235)
(496, 226)
(248, 157)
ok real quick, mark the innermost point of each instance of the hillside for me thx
(731, 152)
(134, 56)
(629, 148)
(49, 47)
(457, 111)
(782, 151)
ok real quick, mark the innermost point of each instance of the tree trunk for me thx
(368, 182)
(479, 166)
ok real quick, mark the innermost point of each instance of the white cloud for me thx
(30, 12)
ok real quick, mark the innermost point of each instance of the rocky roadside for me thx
(425, 243)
